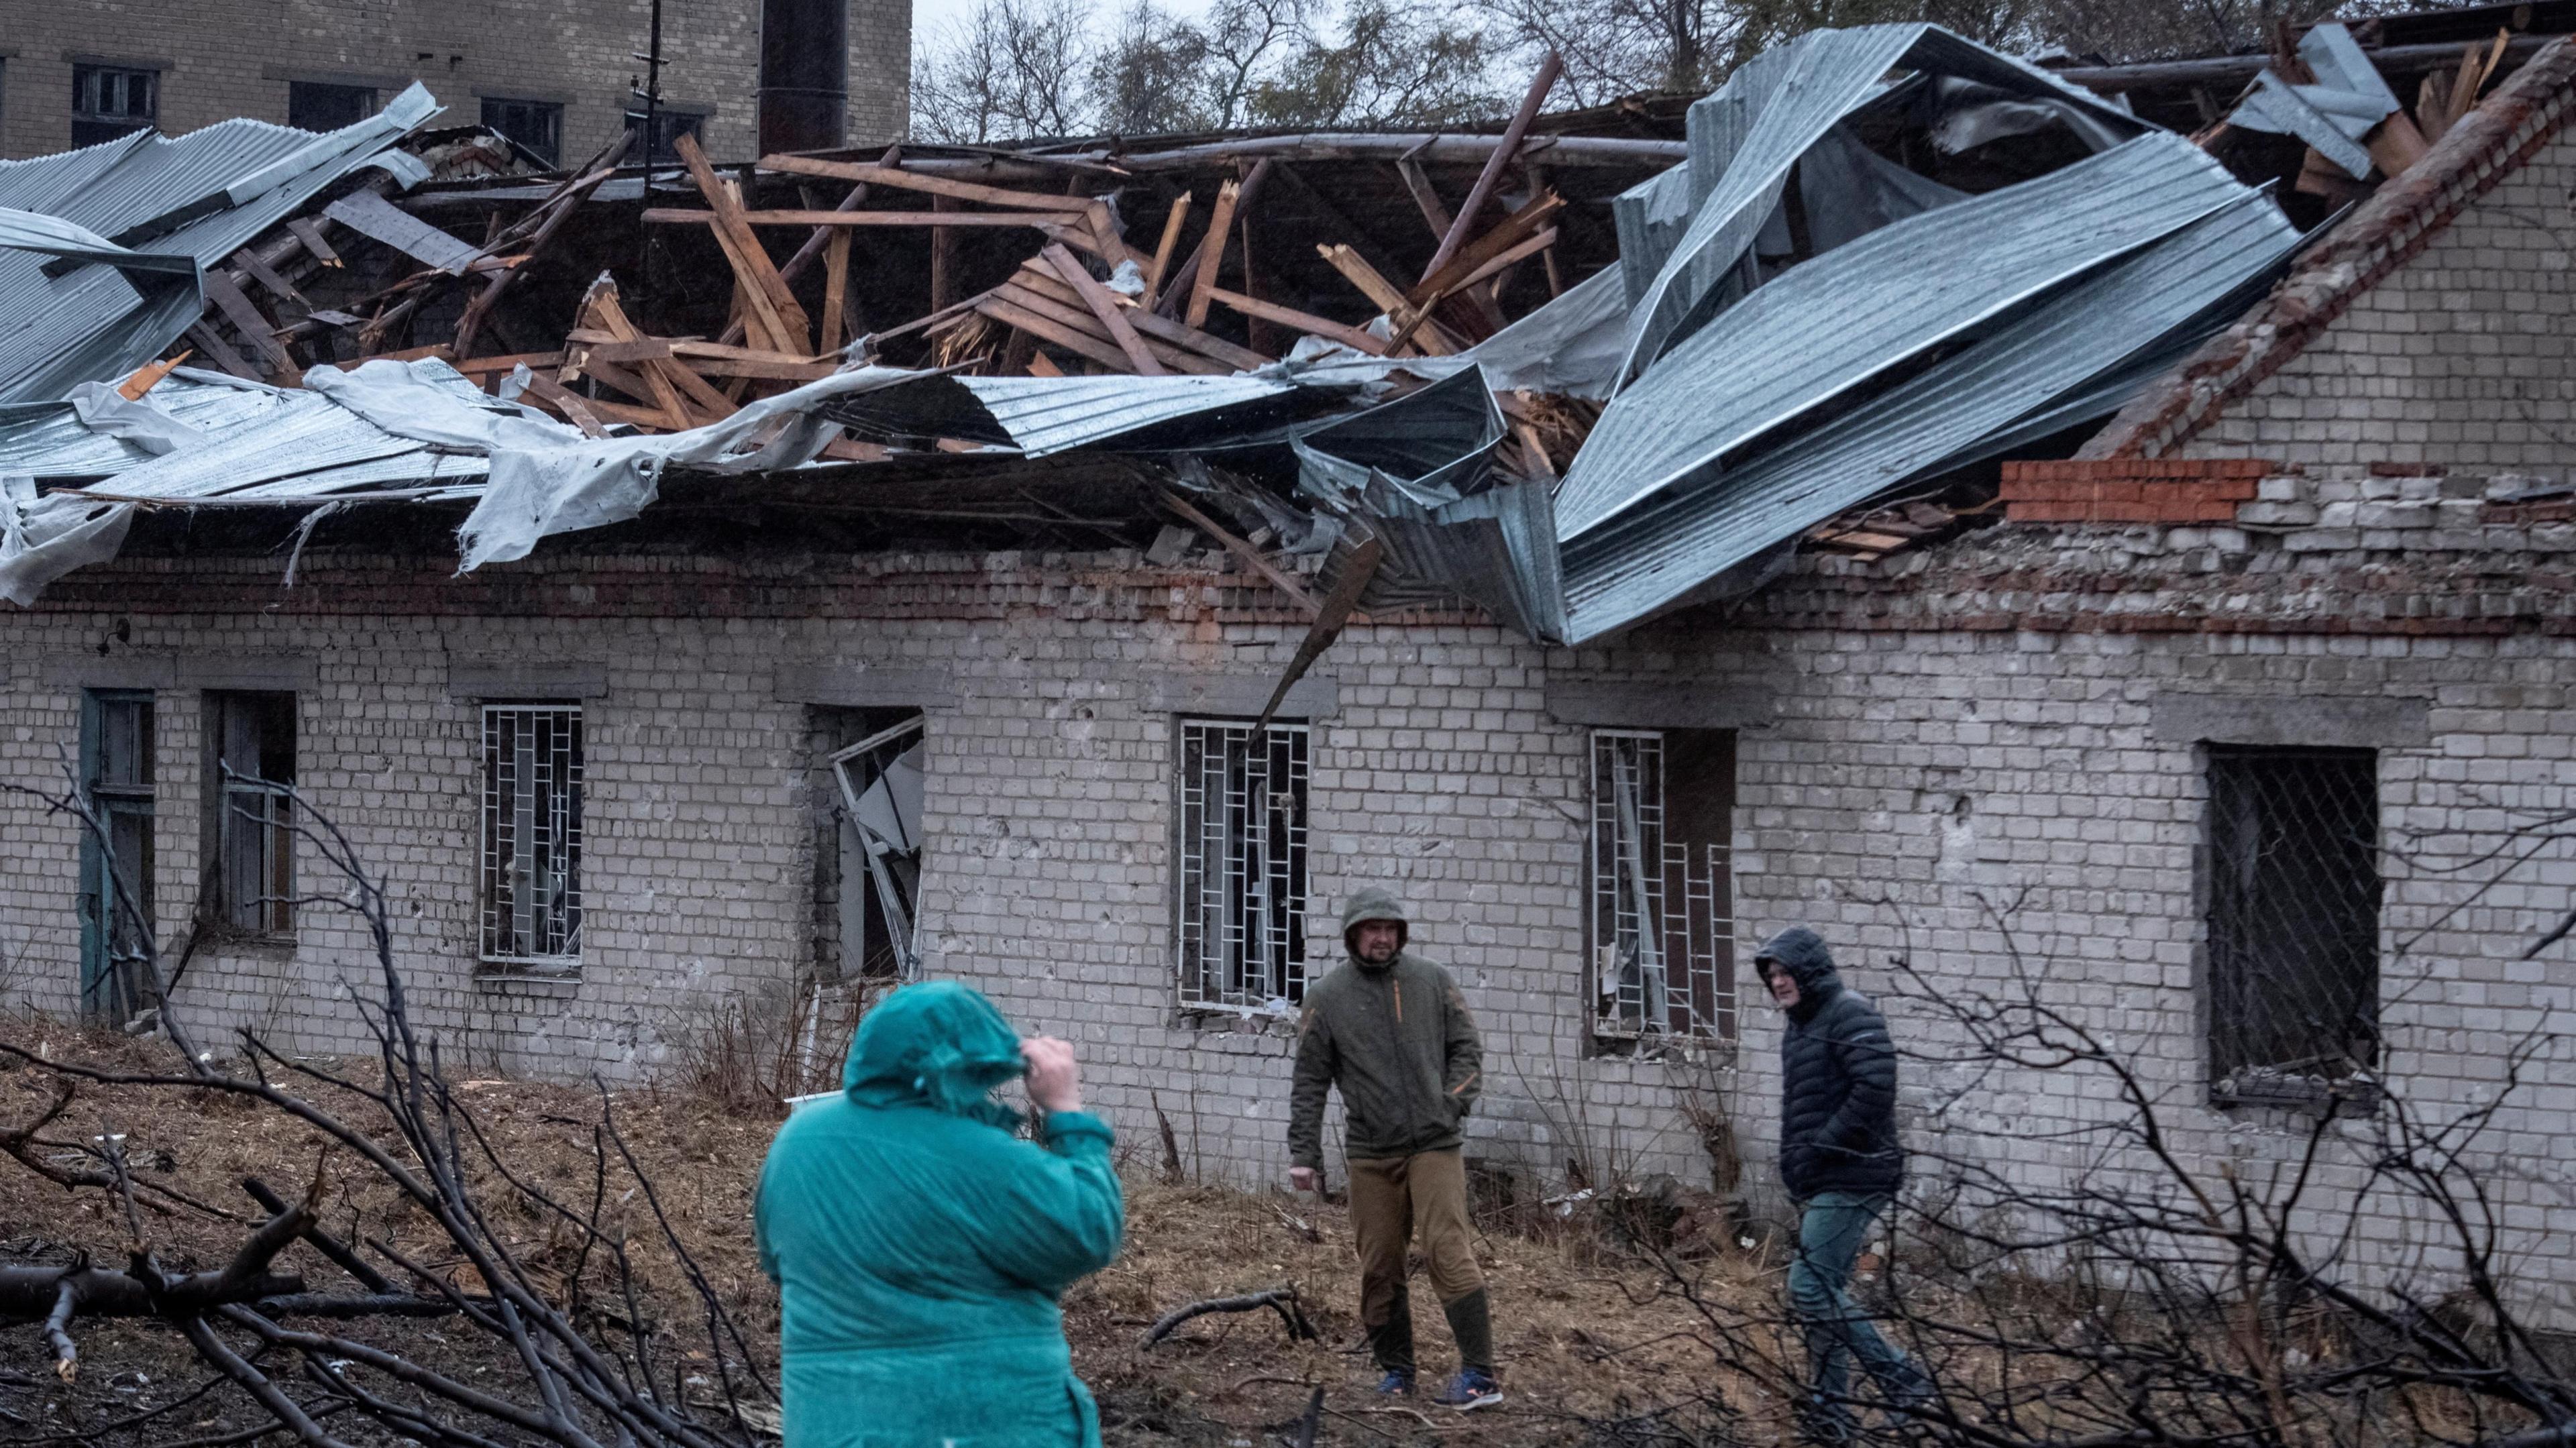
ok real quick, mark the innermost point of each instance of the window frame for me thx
(552, 111)
(2230, 950)
(558, 780)
(106, 992)
(893, 908)
(100, 126)
(675, 121)
(1286, 956)
(227, 797)
(1709, 996)
(371, 102)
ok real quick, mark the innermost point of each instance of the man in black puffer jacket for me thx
(1840, 1160)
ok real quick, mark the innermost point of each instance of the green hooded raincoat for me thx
(919, 1246)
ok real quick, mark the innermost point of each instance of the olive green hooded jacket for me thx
(1398, 1041)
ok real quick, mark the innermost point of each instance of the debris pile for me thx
(1575, 373)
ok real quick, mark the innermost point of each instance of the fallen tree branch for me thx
(1282, 1300)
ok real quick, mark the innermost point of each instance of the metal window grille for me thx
(2293, 914)
(1663, 928)
(1242, 928)
(532, 834)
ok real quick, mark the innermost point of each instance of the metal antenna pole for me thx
(652, 59)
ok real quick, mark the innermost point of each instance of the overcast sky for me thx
(931, 17)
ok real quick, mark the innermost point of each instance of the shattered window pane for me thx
(253, 737)
(883, 789)
(1662, 896)
(532, 834)
(1242, 854)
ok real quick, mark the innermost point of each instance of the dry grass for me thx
(1584, 1335)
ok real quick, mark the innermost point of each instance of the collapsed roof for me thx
(1575, 375)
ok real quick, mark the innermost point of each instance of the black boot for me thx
(1391, 1341)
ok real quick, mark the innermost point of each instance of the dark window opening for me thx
(1242, 852)
(536, 126)
(250, 803)
(111, 101)
(2294, 894)
(1662, 897)
(317, 106)
(868, 864)
(668, 127)
(116, 857)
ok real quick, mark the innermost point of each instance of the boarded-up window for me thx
(249, 793)
(1662, 900)
(2294, 893)
(532, 835)
(1242, 853)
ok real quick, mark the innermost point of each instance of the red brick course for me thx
(2131, 490)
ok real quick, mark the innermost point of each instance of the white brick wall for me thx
(1902, 781)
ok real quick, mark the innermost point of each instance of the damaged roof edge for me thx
(2525, 113)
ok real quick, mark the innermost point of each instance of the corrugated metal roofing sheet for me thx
(48, 439)
(1827, 326)
(1656, 556)
(92, 323)
(1050, 414)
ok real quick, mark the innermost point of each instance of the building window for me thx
(871, 879)
(1662, 898)
(1242, 852)
(668, 127)
(316, 106)
(2293, 918)
(249, 791)
(116, 854)
(110, 101)
(532, 835)
(536, 126)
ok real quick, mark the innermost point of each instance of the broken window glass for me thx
(882, 789)
(250, 790)
(532, 764)
(1662, 896)
(1242, 927)
(116, 869)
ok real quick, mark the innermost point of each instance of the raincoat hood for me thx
(1802, 953)
(1374, 903)
(937, 1044)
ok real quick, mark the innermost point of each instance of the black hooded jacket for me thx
(1837, 1079)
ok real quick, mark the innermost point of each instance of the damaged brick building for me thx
(2220, 684)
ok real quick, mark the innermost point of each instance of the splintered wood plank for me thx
(1048, 329)
(1387, 295)
(768, 292)
(1351, 337)
(1113, 247)
(567, 404)
(836, 282)
(267, 276)
(213, 345)
(1041, 366)
(899, 179)
(1501, 237)
(310, 233)
(1212, 255)
(1175, 346)
(601, 306)
(1104, 306)
(943, 256)
(1162, 263)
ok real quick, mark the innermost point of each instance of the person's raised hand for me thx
(1302, 1178)
(1054, 1079)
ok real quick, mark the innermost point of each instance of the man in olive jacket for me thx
(1391, 1030)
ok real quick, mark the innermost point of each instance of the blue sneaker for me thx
(1396, 1384)
(1469, 1391)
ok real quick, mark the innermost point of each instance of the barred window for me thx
(249, 794)
(532, 835)
(1662, 901)
(1242, 853)
(2294, 891)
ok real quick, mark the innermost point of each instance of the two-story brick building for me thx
(560, 79)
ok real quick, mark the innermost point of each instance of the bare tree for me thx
(1015, 70)
(1393, 63)
(574, 1358)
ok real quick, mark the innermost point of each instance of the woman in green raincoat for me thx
(919, 1245)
